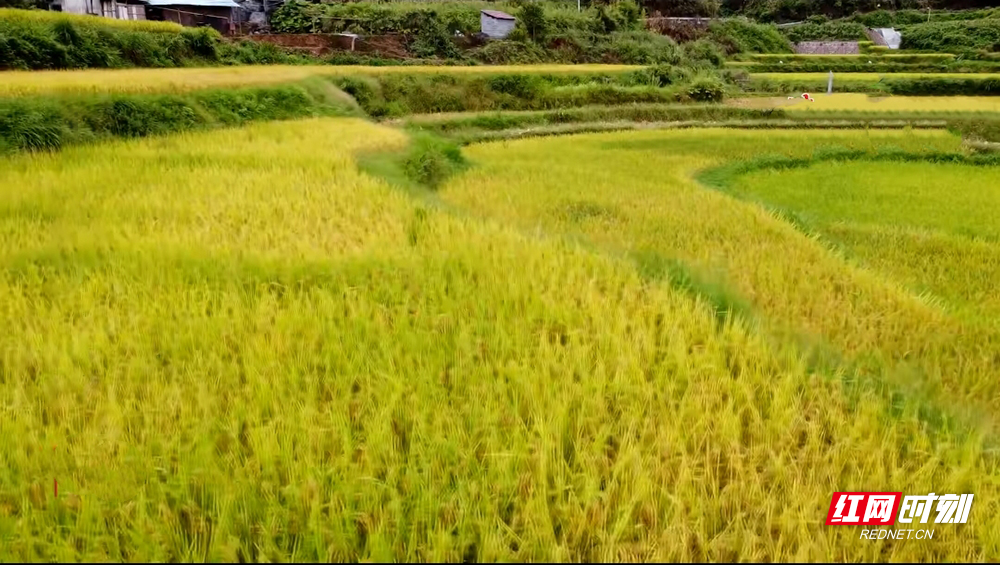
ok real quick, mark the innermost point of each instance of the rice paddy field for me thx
(870, 77)
(246, 344)
(91, 81)
(866, 103)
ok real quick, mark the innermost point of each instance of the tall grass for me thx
(234, 346)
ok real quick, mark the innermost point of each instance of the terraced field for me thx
(872, 77)
(224, 357)
(327, 339)
(31, 83)
(869, 103)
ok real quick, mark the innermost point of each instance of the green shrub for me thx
(50, 40)
(532, 19)
(256, 53)
(431, 160)
(30, 127)
(706, 88)
(47, 123)
(295, 17)
(943, 86)
(952, 37)
(433, 40)
(503, 52)
(641, 48)
(522, 86)
(610, 32)
(628, 15)
(602, 95)
(704, 51)
(740, 35)
(660, 76)
(203, 41)
(421, 93)
(836, 30)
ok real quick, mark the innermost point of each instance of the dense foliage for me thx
(907, 11)
(740, 35)
(400, 94)
(953, 37)
(48, 40)
(826, 31)
(606, 33)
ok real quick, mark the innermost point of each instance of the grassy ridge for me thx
(403, 94)
(44, 17)
(491, 395)
(50, 123)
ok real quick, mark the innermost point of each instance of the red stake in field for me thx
(804, 95)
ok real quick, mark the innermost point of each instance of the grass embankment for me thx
(70, 112)
(36, 39)
(62, 112)
(469, 127)
(394, 95)
(49, 123)
(226, 357)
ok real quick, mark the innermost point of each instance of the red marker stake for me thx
(55, 483)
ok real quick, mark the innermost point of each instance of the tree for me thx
(533, 19)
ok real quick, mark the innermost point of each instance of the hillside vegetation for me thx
(35, 39)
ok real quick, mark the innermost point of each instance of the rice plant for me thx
(233, 345)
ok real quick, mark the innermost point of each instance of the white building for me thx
(123, 10)
(496, 24)
(890, 37)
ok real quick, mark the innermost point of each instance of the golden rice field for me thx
(220, 356)
(865, 103)
(868, 77)
(97, 81)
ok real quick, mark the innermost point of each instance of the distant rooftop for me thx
(892, 37)
(202, 3)
(498, 14)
